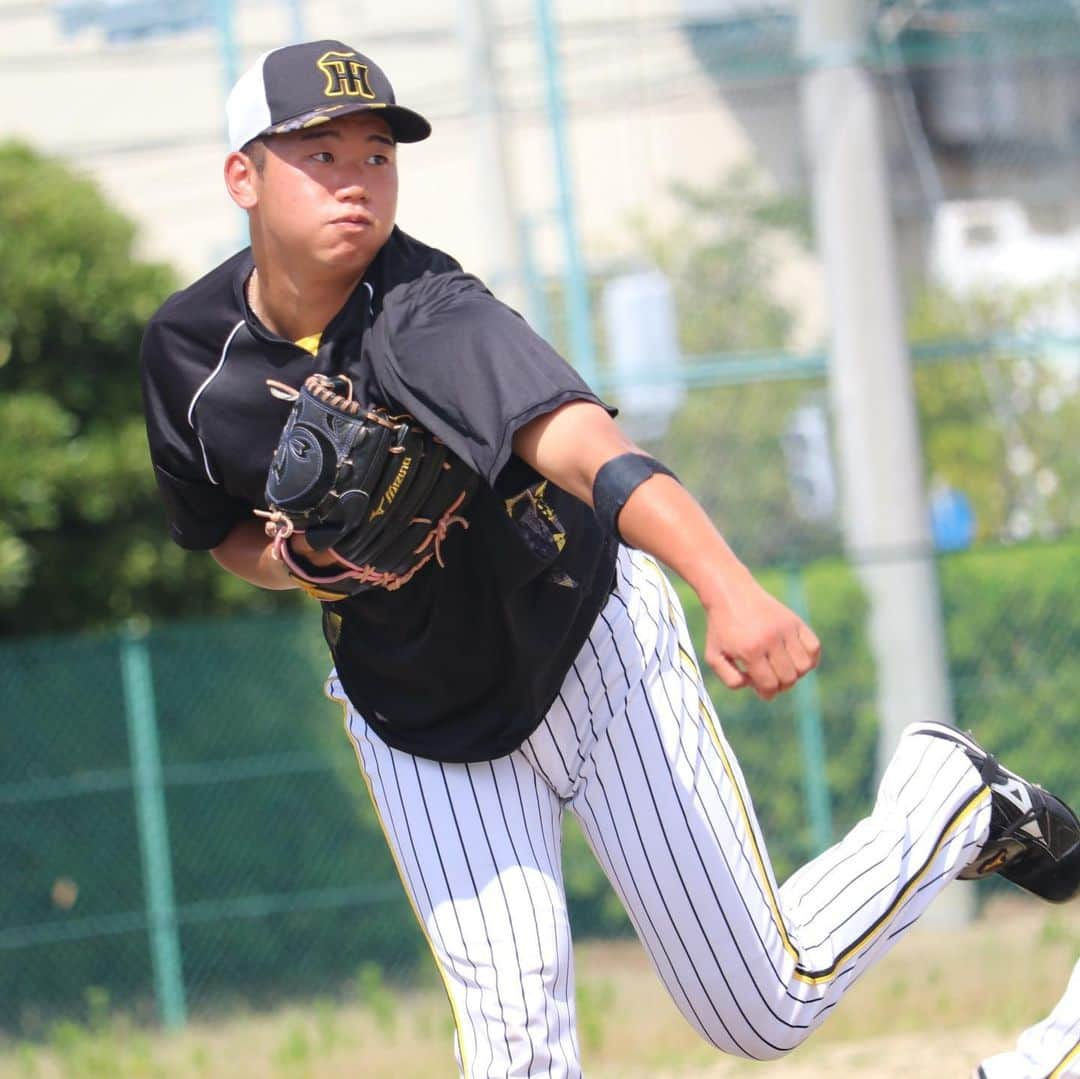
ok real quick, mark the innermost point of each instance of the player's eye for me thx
(324, 157)
(378, 159)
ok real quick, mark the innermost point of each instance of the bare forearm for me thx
(664, 519)
(247, 553)
(751, 638)
(661, 517)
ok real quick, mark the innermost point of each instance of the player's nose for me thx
(353, 189)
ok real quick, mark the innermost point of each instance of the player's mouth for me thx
(354, 222)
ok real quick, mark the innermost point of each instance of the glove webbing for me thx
(368, 574)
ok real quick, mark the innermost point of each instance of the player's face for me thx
(329, 194)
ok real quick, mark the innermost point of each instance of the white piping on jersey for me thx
(198, 393)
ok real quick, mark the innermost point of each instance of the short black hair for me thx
(256, 150)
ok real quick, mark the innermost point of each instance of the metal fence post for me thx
(575, 277)
(153, 828)
(808, 718)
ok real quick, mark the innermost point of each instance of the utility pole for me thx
(886, 522)
(495, 171)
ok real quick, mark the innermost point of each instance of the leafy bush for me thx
(83, 542)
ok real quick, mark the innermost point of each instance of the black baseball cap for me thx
(299, 86)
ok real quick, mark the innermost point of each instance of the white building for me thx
(985, 246)
(144, 116)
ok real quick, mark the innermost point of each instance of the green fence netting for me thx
(279, 882)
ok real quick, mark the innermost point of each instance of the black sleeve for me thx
(200, 512)
(468, 367)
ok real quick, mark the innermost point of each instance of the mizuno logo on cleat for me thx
(992, 864)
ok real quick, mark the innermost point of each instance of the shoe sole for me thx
(1057, 882)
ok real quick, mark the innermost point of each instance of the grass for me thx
(932, 1008)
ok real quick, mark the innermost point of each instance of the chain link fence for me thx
(264, 874)
(183, 825)
(183, 820)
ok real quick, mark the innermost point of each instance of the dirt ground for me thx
(911, 1056)
(940, 1002)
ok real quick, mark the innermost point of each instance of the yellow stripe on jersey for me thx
(816, 977)
(309, 343)
(1061, 1068)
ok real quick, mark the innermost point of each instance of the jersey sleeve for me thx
(468, 367)
(200, 512)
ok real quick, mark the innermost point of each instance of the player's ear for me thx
(241, 177)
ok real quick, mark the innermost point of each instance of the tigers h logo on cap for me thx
(299, 86)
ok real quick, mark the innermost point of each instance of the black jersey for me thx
(462, 663)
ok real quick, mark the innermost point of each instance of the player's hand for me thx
(754, 640)
(300, 546)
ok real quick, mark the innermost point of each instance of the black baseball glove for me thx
(377, 491)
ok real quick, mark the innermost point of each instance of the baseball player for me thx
(541, 663)
(1048, 1050)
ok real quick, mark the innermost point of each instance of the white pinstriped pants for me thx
(633, 748)
(1048, 1050)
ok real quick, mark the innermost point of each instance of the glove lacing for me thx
(280, 528)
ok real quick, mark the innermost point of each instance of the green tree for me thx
(1002, 425)
(82, 536)
(723, 255)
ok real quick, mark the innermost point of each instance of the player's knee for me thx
(760, 1052)
(762, 1040)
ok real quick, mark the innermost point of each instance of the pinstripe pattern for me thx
(633, 748)
(1048, 1050)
